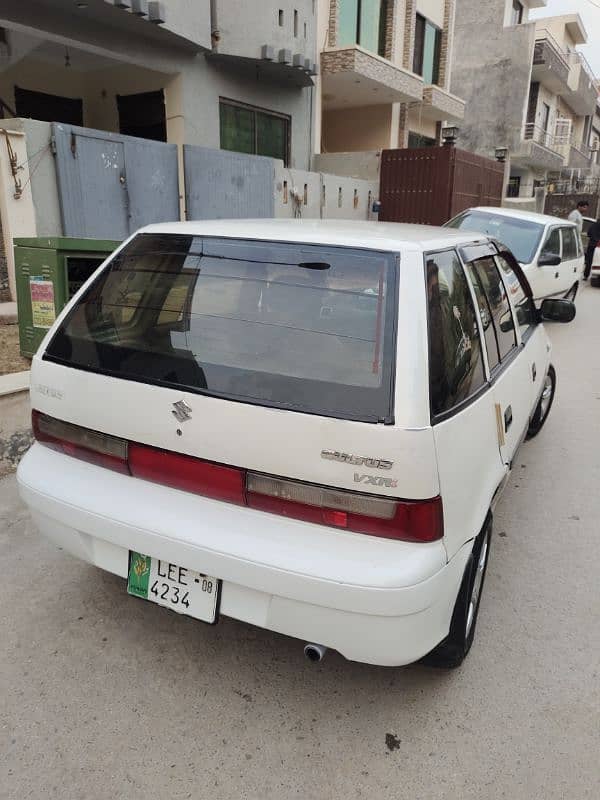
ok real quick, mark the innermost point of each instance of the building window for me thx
(246, 129)
(428, 49)
(514, 186)
(418, 140)
(545, 117)
(516, 13)
(363, 22)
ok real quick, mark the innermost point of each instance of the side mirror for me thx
(549, 260)
(558, 310)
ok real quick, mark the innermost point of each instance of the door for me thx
(48, 107)
(110, 185)
(530, 334)
(571, 268)
(509, 368)
(143, 115)
(547, 279)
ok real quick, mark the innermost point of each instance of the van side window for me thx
(570, 250)
(551, 246)
(523, 305)
(494, 308)
(455, 360)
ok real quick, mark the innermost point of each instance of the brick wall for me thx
(446, 48)
(403, 126)
(333, 23)
(410, 21)
(390, 28)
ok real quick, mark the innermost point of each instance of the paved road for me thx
(103, 696)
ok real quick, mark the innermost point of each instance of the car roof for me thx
(391, 236)
(529, 216)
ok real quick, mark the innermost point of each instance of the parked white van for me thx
(549, 249)
(303, 425)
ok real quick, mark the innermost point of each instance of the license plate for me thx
(178, 588)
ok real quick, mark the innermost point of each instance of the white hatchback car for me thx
(549, 249)
(301, 425)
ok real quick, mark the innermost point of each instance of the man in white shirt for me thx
(576, 215)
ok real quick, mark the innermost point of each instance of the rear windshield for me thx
(304, 327)
(520, 236)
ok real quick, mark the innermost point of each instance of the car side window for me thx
(498, 324)
(570, 250)
(521, 302)
(551, 246)
(455, 358)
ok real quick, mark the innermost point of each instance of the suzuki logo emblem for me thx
(181, 411)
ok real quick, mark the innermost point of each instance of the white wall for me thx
(432, 9)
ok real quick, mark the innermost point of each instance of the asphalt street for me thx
(105, 696)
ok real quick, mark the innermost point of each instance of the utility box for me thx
(48, 272)
(430, 185)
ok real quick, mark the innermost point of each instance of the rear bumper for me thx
(375, 601)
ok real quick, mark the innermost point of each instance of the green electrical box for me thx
(48, 272)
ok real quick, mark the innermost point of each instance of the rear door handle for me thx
(508, 417)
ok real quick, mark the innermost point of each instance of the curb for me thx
(13, 383)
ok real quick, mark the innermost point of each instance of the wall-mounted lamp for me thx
(450, 135)
(501, 154)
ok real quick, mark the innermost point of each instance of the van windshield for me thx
(296, 326)
(520, 236)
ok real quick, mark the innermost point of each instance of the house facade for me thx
(384, 74)
(529, 90)
(224, 73)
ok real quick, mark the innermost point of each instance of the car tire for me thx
(594, 281)
(450, 653)
(542, 410)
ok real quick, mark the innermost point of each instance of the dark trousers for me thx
(589, 257)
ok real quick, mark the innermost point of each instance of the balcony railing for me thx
(547, 49)
(538, 134)
(579, 58)
(568, 145)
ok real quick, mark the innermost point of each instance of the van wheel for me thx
(595, 281)
(453, 650)
(540, 415)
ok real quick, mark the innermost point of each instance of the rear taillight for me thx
(187, 473)
(418, 521)
(96, 448)
(385, 517)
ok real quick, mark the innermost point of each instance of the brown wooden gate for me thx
(430, 185)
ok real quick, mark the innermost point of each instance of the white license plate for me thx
(178, 588)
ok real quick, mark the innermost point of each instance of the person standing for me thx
(593, 241)
(577, 214)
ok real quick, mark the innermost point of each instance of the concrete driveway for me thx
(104, 696)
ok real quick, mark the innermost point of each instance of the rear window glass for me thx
(304, 327)
(455, 361)
(520, 236)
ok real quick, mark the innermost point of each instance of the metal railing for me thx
(579, 58)
(543, 38)
(537, 134)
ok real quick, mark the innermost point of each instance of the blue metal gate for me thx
(109, 185)
(223, 185)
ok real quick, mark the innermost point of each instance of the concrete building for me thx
(224, 73)
(527, 88)
(384, 77)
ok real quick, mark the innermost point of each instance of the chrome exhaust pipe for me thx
(315, 652)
